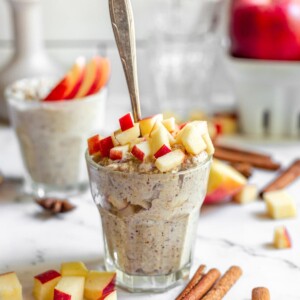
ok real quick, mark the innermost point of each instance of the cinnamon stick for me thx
(204, 285)
(195, 279)
(245, 152)
(240, 157)
(244, 168)
(285, 178)
(224, 284)
(260, 293)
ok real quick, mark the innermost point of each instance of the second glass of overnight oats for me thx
(149, 180)
(52, 123)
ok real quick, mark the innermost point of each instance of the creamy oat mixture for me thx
(52, 135)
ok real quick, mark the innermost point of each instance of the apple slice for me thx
(192, 140)
(94, 144)
(128, 135)
(110, 296)
(160, 126)
(158, 138)
(105, 145)
(99, 284)
(170, 161)
(104, 77)
(91, 77)
(170, 124)
(10, 287)
(280, 204)
(162, 151)
(282, 238)
(119, 152)
(126, 122)
(147, 124)
(74, 268)
(44, 285)
(69, 288)
(141, 151)
(224, 181)
(70, 84)
(210, 149)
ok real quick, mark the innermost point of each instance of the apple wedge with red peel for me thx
(119, 152)
(126, 122)
(67, 87)
(104, 77)
(128, 135)
(224, 181)
(158, 138)
(162, 151)
(282, 239)
(10, 287)
(69, 288)
(91, 77)
(44, 285)
(105, 145)
(148, 123)
(94, 144)
(170, 124)
(99, 284)
(74, 268)
(192, 140)
(170, 161)
(141, 151)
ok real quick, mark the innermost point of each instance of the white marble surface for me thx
(228, 234)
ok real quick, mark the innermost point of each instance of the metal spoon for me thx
(123, 26)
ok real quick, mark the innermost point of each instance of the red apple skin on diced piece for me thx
(65, 89)
(58, 295)
(110, 296)
(141, 151)
(94, 144)
(119, 152)
(47, 276)
(162, 151)
(105, 145)
(126, 122)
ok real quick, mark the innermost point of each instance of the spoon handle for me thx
(123, 27)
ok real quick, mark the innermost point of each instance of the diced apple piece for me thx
(192, 140)
(119, 152)
(10, 287)
(44, 285)
(141, 151)
(70, 84)
(224, 181)
(114, 140)
(126, 122)
(94, 144)
(162, 151)
(69, 288)
(136, 141)
(158, 138)
(105, 145)
(210, 149)
(247, 194)
(280, 204)
(170, 124)
(282, 238)
(128, 135)
(160, 126)
(99, 284)
(110, 296)
(74, 268)
(170, 161)
(147, 124)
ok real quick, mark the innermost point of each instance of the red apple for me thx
(105, 145)
(162, 151)
(94, 144)
(118, 152)
(141, 151)
(126, 122)
(265, 29)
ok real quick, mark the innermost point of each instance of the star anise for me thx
(55, 205)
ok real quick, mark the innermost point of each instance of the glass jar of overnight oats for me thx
(52, 135)
(149, 221)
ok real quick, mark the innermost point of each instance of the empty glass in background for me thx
(182, 51)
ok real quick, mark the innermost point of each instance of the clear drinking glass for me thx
(149, 223)
(52, 138)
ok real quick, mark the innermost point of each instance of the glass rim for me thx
(91, 163)
(10, 97)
